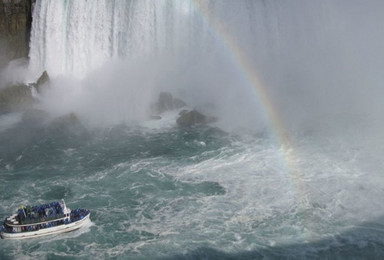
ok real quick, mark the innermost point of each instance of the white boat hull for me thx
(47, 231)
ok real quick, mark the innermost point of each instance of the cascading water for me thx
(77, 37)
(292, 168)
(308, 56)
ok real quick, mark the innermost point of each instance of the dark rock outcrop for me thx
(15, 98)
(167, 102)
(44, 78)
(68, 124)
(193, 117)
(15, 29)
(19, 97)
(69, 119)
(42, 83)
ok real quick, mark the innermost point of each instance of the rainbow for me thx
(247, 69)
(251, 77)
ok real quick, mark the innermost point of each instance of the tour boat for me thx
(42, 220)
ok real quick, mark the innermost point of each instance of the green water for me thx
(178, 193)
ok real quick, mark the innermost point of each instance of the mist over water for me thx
(316, 60)
(230, 189)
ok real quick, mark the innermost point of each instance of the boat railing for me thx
(42, 219)
(27, 222)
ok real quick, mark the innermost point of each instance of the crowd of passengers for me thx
(40, 212)
(78, 214)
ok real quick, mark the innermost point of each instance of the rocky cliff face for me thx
(15, 28)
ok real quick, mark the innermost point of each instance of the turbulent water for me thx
(174, 193)
(292, 169)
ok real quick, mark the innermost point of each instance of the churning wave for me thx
(157, 190)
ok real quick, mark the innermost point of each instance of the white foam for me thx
(167, 121)
(264, 201)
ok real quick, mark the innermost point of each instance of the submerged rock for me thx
(167, 102)
(193, 117)
(15, 98)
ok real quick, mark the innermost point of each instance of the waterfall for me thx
(78, 36)
(312, 55)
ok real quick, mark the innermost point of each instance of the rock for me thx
(42, 83)
(69, 123)
(19, 97)
(44, 78)
(69, 119)
(15, 29)
(182, 112)
(193, 117)
(167, 102)
(15, 98)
